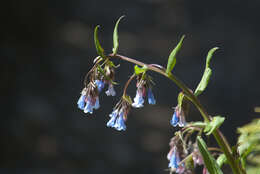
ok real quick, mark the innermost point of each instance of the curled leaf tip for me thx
(115, 36)
(172, 57)
(99, 49)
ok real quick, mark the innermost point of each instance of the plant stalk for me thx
(221, 140)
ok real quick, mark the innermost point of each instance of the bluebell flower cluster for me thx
(174, 160)
(178, 117)
(89, 98)
(143, 84)
(119, 115)
(117, 120)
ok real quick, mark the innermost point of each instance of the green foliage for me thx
(249, 146)
(99, 49)
(139, 70)
(115, 36)
(214, 124)
(206, 75)
(172, 56)
(222, 159)
(127, 98)
(208, 159)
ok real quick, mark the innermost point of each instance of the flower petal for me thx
(100, 85)
(111, 91)
(174, 120)
(151, 99)
(89, 107)
(138, 100)
(81, 102)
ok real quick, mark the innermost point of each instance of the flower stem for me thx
(221, 140)
(127, 83)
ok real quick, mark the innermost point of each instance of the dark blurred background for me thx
(46, 48)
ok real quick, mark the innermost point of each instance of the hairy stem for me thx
(221, 140)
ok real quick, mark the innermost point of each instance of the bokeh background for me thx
(47, 47)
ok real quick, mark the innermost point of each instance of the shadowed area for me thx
(47, 47)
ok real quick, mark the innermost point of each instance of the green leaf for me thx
(99, 49)
(139, 70)
(249, 142)
(208, 159)
(214, 124)
(206, 75)
(115, 36)
(172, 57)
(221, 160)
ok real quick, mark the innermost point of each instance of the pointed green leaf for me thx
(221, 160)
(214, 124)
(99, 49)
(115, 36)
(208, 159)
(172, 57)
(206, 75)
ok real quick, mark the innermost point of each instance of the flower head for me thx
(89, 99)
(174, 160)
(119, 115)
(178, 117)
(143, 84)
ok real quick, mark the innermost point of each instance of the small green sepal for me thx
(115, 36)
(139, 70)
(172, 56)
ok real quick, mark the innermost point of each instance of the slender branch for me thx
(214, 149)
(127, 83)
(221, 140)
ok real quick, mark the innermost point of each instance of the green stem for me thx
(221, 140)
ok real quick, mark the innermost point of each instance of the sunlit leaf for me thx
(249, 144)
(208, 159)
(206, 75)
(115, 36)
(172, 56)
(214, 124)
(222, 159)
(139, 70)
(99, 49)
